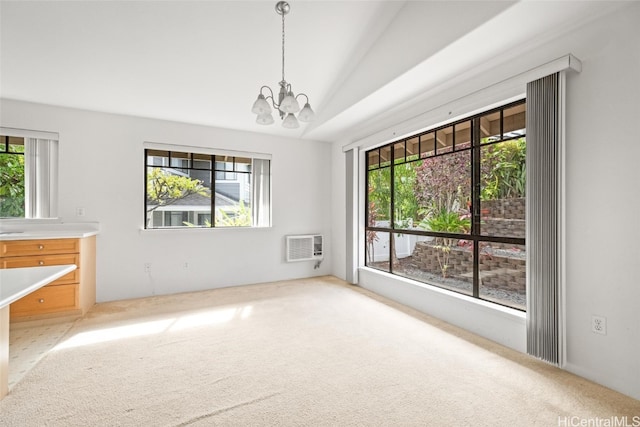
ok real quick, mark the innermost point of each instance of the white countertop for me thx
(48, 231)
(18, 282)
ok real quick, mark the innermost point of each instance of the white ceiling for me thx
(203, 62)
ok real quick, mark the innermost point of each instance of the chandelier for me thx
(287, 103)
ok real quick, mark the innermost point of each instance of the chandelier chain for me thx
(283, 47)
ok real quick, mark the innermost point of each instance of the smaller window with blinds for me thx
(187, 189)
(12, 174)
(28, 174)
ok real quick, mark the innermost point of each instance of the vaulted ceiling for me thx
(203, 62)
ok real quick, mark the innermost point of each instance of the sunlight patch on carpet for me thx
(113, 334)
(173, 324)
(211, 317)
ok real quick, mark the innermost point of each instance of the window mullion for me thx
(475, 203)
(212, 188)
(146, 190)
(392, 217)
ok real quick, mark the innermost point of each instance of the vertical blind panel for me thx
(543, 176)
(261, 193)
(350, 225)
(41, 178)
(30, 177)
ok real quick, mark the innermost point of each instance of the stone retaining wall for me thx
(499, 272)
(504, 208)
(503, 217)
(503, 227)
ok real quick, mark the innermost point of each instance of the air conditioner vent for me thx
(304, 247)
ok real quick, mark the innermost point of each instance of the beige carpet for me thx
(31, 341)
(313, 352)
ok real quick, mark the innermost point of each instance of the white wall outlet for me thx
(599, 325)
(185, 265)
(147, 267)
(79, 211)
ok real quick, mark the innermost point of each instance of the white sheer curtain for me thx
(261, 192)
(41, 178)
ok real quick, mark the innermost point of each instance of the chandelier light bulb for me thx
(290, 122)
(261, 106)
(306, 115)
(264, 119)
(290, 104)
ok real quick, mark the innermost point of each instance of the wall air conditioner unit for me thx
(304, 248)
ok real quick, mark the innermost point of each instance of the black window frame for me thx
(212, 169)
(475, 235)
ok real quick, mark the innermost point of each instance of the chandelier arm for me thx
(268, 88)
(305, 96)
(270, 96)
(273, 102)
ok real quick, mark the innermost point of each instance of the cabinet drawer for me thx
(36, 261)
(49, 299)
(13, 248)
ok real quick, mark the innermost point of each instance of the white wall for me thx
(603, 238)
(602, 204)
(102, 170)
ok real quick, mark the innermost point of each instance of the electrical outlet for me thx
(599, 325)
(79, 211)
(185, 266)
(147, 267)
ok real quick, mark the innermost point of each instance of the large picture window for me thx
(447, 206)
(186, 189)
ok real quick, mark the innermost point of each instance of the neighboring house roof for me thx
(199, 200)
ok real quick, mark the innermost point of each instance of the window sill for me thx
(485, 305)
(195, 230)
(28, 221)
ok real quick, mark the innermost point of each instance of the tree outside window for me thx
(12, 178)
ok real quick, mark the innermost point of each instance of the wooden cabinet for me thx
(70, 295)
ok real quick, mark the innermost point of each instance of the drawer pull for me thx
(41, 247)
(41, 262)
(41, 300)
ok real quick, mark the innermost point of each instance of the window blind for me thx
(544, 165)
